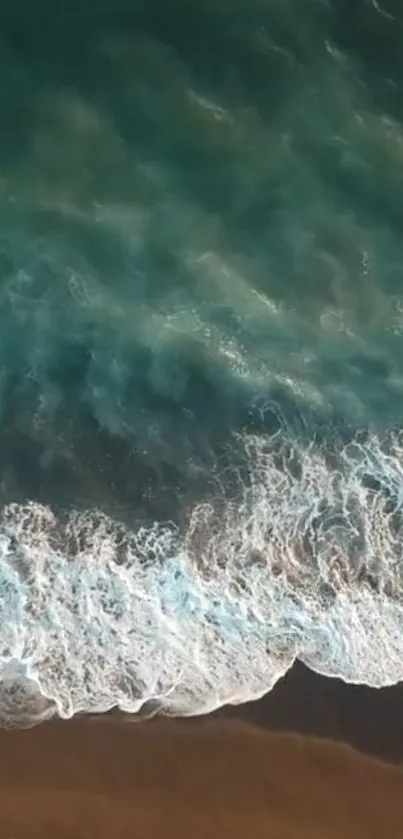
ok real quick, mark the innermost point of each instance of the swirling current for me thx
(201, 351)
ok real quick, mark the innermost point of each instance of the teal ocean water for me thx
(201, 350)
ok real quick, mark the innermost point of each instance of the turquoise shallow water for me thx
(201, 350)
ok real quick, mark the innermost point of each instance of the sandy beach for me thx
(215, 778)
(221, 776)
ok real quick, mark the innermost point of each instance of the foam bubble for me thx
(304, 560)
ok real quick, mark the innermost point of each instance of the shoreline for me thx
(307, 703)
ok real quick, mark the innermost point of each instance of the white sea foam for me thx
(305, 561)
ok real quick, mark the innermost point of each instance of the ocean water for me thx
(201, 350)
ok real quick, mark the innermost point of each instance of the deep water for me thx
(201, 350)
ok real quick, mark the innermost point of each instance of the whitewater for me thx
(304, 562)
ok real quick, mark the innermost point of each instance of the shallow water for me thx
(201, 366)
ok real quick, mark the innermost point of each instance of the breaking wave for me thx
(304, 560)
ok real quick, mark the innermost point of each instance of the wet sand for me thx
(165, 779)
(305, 702)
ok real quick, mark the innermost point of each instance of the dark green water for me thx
(201, 347)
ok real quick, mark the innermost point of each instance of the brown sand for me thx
(211, 779)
